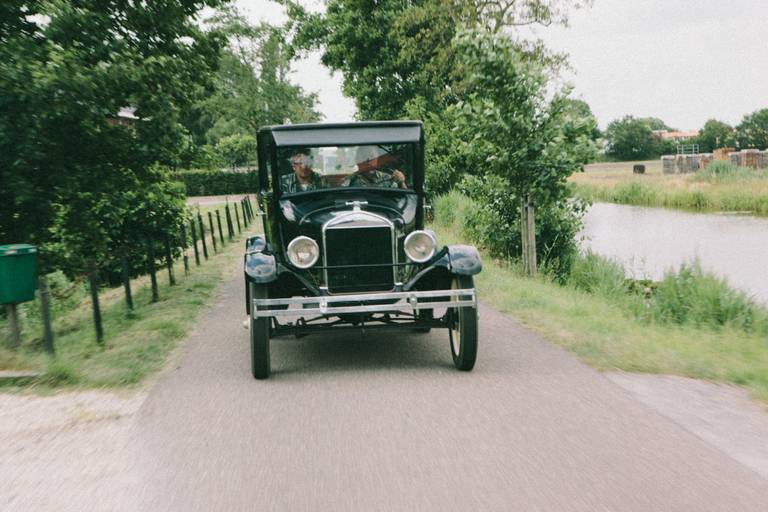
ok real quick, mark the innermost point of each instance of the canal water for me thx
(649, 241)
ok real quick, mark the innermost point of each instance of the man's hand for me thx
(399, 178)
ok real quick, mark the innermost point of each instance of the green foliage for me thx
(691, 296)
(631, 139)
(237, 150)
(752, 132)
(216, 183)
(71, 175)
(598, 275)
(715, 134)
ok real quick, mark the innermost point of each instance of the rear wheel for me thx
(463, 331)
(260, 360)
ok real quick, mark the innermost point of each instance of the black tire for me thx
(463, 332)
(260, 361)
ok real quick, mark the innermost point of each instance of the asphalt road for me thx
(384, 422)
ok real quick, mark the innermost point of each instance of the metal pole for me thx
(45, 308)
(169, 262)
(126, 279)
(93, 284)
(194, 241)
(213, 233)
(202, 234)
(153, 272)
(218, 221)
(13, 324)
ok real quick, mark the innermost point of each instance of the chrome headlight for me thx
(303, 252)
(419, 246)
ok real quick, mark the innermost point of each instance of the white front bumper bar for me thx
(402, 301)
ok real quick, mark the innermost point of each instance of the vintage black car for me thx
(345, 245)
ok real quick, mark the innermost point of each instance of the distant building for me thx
(677, 136)
(125, 117)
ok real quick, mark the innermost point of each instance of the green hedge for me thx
(217, 183)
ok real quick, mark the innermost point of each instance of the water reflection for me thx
(649, 241)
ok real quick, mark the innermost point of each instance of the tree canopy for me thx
(752, 132)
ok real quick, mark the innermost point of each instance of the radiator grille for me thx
(366, 254)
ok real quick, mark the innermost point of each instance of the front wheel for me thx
(463, 332)
(260, 361)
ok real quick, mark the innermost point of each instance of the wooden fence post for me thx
(194, 241)
(45, 309)
(153, 272)
(528, 234)
(213, 233)
(126, 278)
(169, 262)
(184, 249)
(237, 218)
(202, 234)
(221, 234)
(230, 228)
(93, 284)
(13, 325)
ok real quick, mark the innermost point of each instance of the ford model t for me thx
(344, 243)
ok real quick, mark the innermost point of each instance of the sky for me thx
(683, 61)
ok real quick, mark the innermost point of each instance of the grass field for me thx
(608, 329)
(137, 342)
(719, 188)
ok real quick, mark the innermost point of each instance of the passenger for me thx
(368, 175)
(303, 178)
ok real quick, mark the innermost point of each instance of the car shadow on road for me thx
(355, 351)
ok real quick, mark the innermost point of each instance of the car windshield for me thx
(303, 169)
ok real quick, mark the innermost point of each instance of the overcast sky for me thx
(684, 61)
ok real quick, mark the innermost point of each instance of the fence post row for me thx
(230, 228)
(202, 235)
(213, 233)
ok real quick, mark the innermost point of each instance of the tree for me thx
(68, 171)
(752, 132)
(252, 88)
(514, 133)
(237, 149)
(391, 52)
(630, 138)
(715, 134)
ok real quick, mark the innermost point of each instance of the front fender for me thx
(463, 260)
(259, 266)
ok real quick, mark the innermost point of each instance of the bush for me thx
(598, 275)
(215, 183)
(690, 296)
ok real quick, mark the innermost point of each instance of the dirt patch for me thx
(68, 451)
(722, 415)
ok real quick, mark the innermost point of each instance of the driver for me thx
(302, 178)
(368, 175)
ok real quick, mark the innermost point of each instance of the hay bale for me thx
(735, 158)
(722, 154)
(638, 169)
(668, 164)
(750, 158)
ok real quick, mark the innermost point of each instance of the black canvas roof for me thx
(341, 134)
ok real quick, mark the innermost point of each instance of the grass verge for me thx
(600, 316)
(720, 187)
(137, 343)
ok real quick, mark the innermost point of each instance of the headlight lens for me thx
(420, 246)
(303, 252)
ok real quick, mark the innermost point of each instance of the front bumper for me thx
(364, 303)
